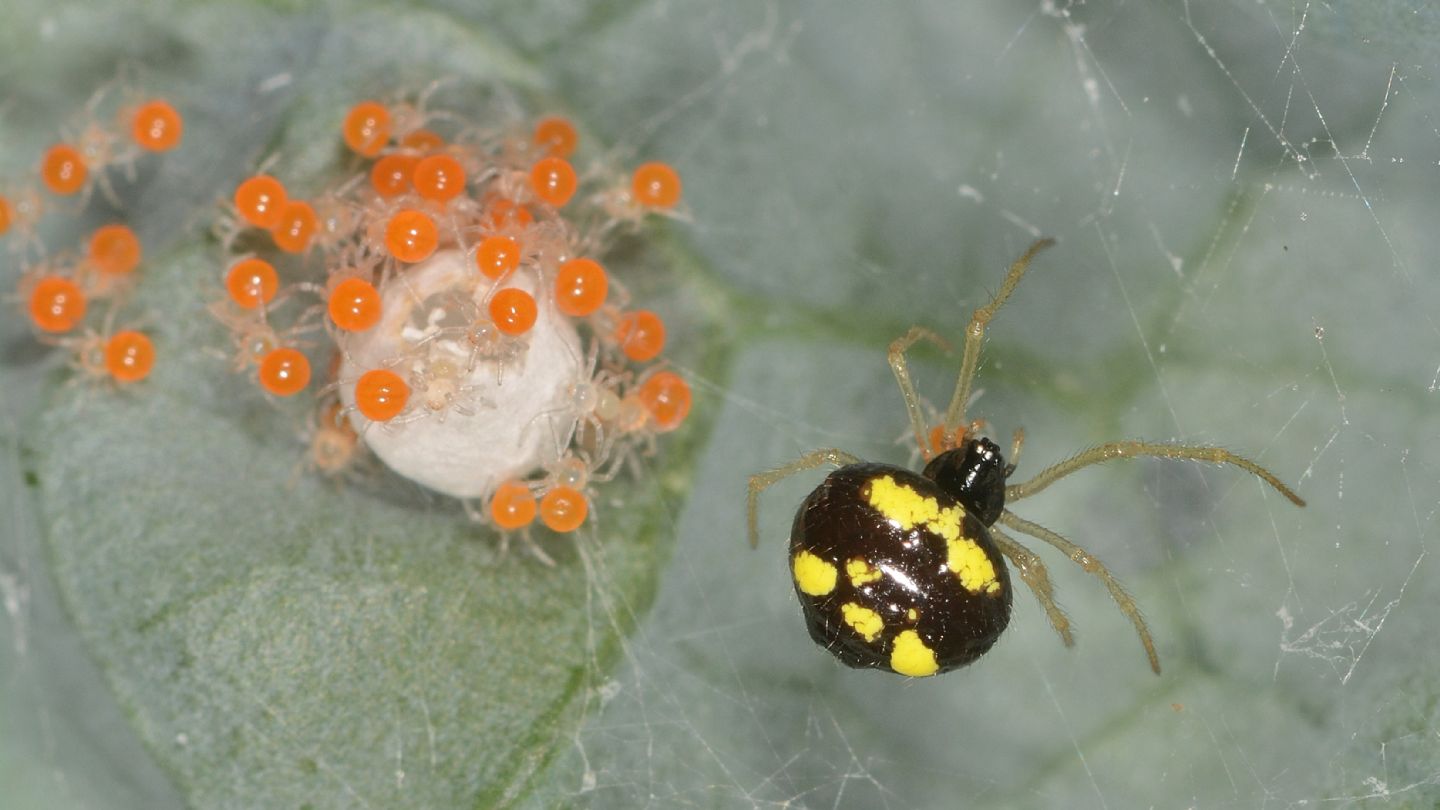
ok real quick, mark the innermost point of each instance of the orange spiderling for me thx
(367, 128)
(284, 372)
(513, 311)
(380, 395)
(63, 169)
(157, 126)
(656, 185)
(56, 304)
(252, 282)
(512, 506)
(129, 356)
(497, 256)
(439, 178)
(114, 250)
(355, 305)
(553, 181)
(296, 228)
(666, 397)
(261, 201)
(556, 135)
(503, 212)
(411, 236)
(641, 335)
(390, 176)
(423, 140)
(563, 509)
(580, 287)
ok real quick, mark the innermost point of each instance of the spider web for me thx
(1199, 164)
(1242, 194)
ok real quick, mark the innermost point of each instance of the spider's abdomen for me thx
(895, 574)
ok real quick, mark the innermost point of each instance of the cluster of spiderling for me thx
(60, 290)
(480, 346)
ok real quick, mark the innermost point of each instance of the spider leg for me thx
(1027, 563)
(535, 550)
(975, 335)
(898, 364)
(761, 481)
(1086, 560)
(1130, 449)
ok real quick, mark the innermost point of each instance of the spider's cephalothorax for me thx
(974, 475)
(902, 571)
(895, 572)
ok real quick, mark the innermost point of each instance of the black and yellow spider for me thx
(902, 571)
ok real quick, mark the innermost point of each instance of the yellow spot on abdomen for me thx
(860, 572)
(968, 562)
(862, 620)
(906, 508)
(812, 574)
(911, 657)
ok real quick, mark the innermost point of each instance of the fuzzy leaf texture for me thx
(1243, 196)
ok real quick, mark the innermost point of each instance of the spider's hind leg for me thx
(761, 481)
(1087, 561)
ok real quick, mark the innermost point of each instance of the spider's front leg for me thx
(901, 367)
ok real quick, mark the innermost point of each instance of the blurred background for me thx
(1243, 197)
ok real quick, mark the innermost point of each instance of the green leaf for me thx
(273, 638)
(277, 638)
(1244, 201)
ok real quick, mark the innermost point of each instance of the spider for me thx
(903, 571)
